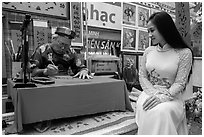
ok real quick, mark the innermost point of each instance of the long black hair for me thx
(167, 28)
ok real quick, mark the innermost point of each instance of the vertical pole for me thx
(31, 38)
(25, 48)
(25, 53)
(6, 40)
(87, 46)
(183, 20)
(4, 62)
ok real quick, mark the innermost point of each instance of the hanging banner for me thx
(40, 36)
(76, 20)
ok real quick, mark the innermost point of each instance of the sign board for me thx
(103, 41)
(104, 66)
(104, 15)
(102, 46)
(49, 8)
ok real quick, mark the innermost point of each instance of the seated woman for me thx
(163, 75)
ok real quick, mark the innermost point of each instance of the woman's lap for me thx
(167, 115)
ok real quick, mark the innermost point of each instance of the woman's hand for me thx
(151, 102)
(83, 74)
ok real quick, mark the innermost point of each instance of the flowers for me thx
(194, 106)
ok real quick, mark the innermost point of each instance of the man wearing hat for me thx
(57, 57)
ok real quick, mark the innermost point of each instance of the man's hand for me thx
(83, 74)
(151, 102)
(50, 70)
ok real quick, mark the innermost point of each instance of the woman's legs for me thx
(165, 118)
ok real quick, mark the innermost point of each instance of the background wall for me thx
(197, 72)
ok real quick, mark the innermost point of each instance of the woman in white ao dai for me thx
(163, 75)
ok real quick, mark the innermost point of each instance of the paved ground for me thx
(195, 127)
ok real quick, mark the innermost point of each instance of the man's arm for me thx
(37, 61)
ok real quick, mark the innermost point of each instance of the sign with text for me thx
(104, 66)
(49, 8)
(104, 15)
(102, 46)
(76, 20)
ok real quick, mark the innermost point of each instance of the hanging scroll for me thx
(40, 33)
(76, 23)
